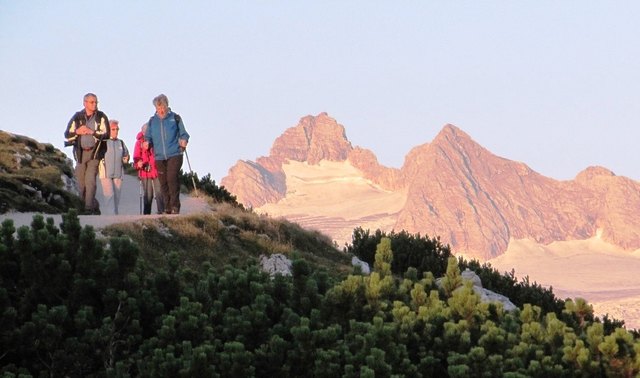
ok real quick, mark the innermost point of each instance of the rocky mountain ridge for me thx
(455, 189)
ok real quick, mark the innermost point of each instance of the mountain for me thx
(452, 188)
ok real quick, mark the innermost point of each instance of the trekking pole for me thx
(140, 179)
(195, 189)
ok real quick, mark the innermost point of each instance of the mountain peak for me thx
(452, 135)
(452, 130)
(313, 139)
(590, 173)
(451, 187)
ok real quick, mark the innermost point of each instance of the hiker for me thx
(86, 131)
(168, 138)
(111, 168)
(145, 163)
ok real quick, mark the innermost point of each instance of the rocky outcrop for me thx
(362, 265)
(35, 176)
(276, 264)
(455, 189)
(485, 295)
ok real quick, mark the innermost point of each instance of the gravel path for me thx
(129, 208)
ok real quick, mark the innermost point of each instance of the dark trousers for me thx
(151, 188)
(169, 175)
(86, 172)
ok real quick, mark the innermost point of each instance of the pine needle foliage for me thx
(207, 186)
(75, 304)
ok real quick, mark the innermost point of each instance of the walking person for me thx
(145, 163)
(112, 169)
(167, 136)
(86, 131)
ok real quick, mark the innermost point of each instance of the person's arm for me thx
(102, 131)
(70, 131)
(183, 135)
(125, 153)
(137, 154)
(148, 138)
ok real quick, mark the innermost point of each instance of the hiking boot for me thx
(90, 212)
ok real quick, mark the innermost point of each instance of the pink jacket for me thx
(146, 157)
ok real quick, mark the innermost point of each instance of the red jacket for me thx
(146, 157)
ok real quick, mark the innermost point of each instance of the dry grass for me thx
(229, 236)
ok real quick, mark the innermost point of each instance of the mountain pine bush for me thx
(72, 304)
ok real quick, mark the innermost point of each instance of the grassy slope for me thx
(229, 235)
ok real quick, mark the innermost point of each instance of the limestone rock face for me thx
(312, 140)
(276, 264)
(451, 188)
(254, 183)
(476, 201)
(614, 204)
(366, 161)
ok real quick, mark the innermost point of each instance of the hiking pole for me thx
(140, 179)
(195, 189)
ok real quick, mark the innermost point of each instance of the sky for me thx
(552, 84)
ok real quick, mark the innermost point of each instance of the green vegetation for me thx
(426, 254)
(185, 297)
(206, 185)
(72, 304)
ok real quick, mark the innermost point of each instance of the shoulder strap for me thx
(176, 117)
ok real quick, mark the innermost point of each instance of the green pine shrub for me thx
(73, 304)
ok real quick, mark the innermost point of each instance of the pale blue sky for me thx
(553, 84)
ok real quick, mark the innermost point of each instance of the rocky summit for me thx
(451, 188)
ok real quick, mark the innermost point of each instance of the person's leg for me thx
(157, 191)
(161, 166)
(173, 179)
(107, 194)
(147, 188)
(81, 168)
(117, 189)
(90, 184)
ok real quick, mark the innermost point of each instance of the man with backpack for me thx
(167, 136)
(86, 131)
